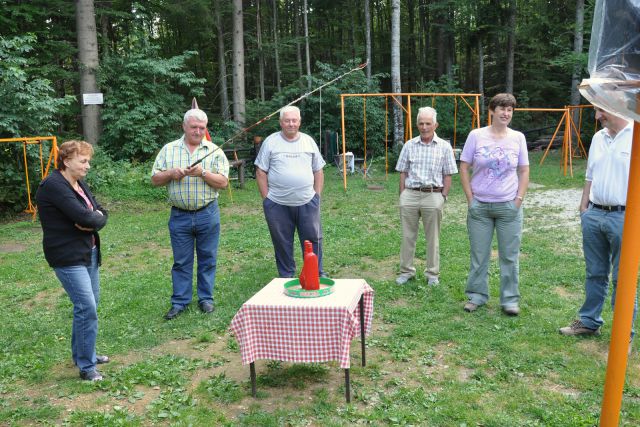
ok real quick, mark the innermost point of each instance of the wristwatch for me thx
(204, 172)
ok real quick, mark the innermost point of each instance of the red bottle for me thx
(309, 278)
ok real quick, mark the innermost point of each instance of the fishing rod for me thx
(268, 116)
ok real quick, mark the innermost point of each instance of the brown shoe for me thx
(514, 310)
(577, 328)
(470, 307)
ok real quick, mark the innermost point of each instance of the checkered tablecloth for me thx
(272, 325)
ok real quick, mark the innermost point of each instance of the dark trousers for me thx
(283, 221)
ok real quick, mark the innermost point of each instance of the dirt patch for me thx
(564, 292)
(47, 298)
(560, 207)
(12, 247)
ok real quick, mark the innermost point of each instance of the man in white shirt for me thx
(602, 210)
(290, 180)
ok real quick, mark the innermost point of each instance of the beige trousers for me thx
(413, 206)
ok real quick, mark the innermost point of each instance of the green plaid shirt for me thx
(191, 192)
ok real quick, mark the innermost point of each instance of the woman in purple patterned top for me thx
(494, 173)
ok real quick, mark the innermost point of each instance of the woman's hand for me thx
(79, 227)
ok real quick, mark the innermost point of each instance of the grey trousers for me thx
(482, 220)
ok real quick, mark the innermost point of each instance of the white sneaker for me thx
(403, 278)
(433, 281)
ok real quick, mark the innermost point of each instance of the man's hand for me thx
(178, 173)
(193, 170)
(79, 227)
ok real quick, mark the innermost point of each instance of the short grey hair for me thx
(195, 113)
(428, 110)
(289, 109)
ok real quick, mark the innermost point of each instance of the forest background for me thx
(245, 59)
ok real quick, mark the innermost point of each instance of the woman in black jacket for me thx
(71, 217)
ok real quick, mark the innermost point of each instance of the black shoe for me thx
(91, 375)
(206, 307)
(173, 313)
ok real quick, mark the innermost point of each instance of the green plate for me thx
(293, 289)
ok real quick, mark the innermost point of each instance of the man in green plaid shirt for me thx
(195, 216)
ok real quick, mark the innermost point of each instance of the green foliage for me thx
(448, 125)
(29, 107)
(322, 110)
(121, 179)
(143, 109)
(221, 389)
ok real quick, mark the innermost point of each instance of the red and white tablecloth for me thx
(272, 325)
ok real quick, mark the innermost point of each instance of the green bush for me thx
(28, 108)
(142, 110)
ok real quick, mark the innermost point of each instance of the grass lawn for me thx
(428, 362)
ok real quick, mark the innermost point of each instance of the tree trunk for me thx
(398, 127)
(442, 45)
(424, 26)
(298, 44)
(88, 63)
(511, 45)
(260, 52)
(275, 43)
(577, 50)
(238, 64)
(481, 75)
(222, 64)
(104, 30)
(367, 36)
(411, 48)
(306, 46)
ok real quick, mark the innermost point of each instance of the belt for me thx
(428, 189)
(618, 208)
(192, 211)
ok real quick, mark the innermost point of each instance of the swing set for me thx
(568, 125)
(470, 100)
(44, 170)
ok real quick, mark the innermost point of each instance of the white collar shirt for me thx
(608, 167)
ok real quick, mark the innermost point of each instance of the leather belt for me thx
(618, 208)
(192, 211)
(427, 189)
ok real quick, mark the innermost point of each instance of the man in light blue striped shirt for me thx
(195, 217)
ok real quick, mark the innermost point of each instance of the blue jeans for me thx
(506, 220)
(283, 221)
(82, 284)
(601, 243)
(202, 230)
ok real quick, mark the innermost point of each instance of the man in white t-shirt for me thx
(290, 180)
(602, 210)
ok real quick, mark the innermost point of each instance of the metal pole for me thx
(625, 294)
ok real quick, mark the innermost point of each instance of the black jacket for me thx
(60, 208)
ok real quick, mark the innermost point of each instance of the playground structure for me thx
(44, 171)
(566, 123)
(408, 129)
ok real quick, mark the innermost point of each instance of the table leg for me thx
(347, 386)
(364, 354)
(252, 372)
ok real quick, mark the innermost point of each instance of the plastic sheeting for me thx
(614, 58)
